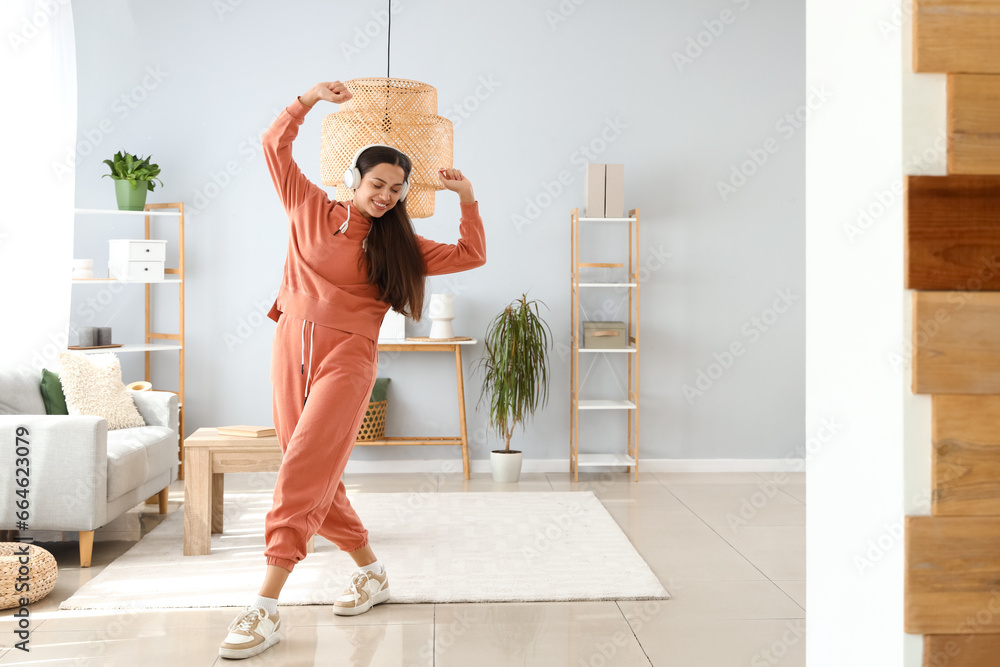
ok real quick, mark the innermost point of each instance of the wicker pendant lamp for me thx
(401, 113)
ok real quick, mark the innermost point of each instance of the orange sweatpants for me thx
(321, 378)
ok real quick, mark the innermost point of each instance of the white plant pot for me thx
(506, 466)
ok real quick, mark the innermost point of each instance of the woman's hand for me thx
(452, 179)
(331, 91)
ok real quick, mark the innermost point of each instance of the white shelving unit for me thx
(629, 404)
(173, 276)
(132, 348)
(115, 280)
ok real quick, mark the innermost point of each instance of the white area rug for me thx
(436, 547)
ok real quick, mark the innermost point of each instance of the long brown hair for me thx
(395, 264)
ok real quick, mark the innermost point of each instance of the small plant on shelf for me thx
(133, 177)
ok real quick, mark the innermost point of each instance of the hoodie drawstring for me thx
(302, 339)
(302, 355)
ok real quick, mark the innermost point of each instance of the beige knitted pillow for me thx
(93, 385)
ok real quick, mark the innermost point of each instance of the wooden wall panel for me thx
(980, 650)
(956, 36)
(965, 466)
(952, 232)
(951, 574)
(952, 260)
(974, 123)
(956, 343)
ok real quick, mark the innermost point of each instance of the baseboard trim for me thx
(562, 465)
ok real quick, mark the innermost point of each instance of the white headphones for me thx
(352, 175)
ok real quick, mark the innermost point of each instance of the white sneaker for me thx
(365, 590)
(253, 631)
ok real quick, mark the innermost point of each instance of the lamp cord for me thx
(388, 52)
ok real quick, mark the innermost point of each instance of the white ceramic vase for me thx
(442, 312)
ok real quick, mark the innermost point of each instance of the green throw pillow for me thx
(378, 391)
(52, 394)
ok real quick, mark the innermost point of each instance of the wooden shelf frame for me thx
(171, 276)
(631, 404)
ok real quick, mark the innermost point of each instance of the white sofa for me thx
(81, 475)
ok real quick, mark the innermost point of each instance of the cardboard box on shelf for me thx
(593, 191)
(614, 191)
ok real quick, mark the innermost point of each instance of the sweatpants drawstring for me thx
(302, 355)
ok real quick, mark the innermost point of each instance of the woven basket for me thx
(373, 425)
(401, 113)
(42, 573)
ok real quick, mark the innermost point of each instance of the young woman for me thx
(339, 281)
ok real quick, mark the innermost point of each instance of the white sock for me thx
(271, 604)
(375, 567)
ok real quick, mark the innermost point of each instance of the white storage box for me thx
(136, 259)
(393, 326)
(140, 271)
(136, 250)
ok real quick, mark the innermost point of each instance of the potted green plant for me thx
(516, 377)
(133, 178)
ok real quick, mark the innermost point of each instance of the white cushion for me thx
(21, 392)
(138, 454)
(93, 385)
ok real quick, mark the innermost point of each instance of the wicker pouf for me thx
(40, 573)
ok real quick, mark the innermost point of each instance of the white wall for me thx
(857, 331)
(602, 75)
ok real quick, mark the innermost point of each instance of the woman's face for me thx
(379, 189)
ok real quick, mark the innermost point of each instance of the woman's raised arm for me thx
(292, 185)
(470, 251)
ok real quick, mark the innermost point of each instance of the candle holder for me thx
(88, 337)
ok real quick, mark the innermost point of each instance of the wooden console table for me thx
(403, 345)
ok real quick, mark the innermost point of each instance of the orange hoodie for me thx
(322, 280)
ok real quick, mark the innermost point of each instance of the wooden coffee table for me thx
(207, 457)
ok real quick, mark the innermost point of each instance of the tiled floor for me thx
(730, 548)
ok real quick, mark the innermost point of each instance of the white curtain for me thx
(37, 181)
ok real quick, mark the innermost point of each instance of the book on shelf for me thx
(246, 431)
